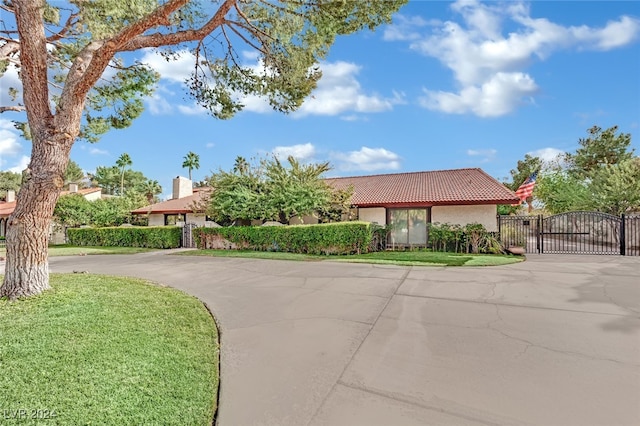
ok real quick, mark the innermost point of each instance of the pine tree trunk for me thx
(27, 269)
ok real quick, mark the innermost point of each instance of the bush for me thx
(330, 238)
(143, 236)
(471, 238)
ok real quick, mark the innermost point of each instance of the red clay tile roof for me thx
(7, 208)
(440, 187)
(176, 206)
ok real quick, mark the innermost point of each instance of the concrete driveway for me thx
(551, 341)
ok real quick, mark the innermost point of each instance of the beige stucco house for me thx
(180, 208)
(408, 202)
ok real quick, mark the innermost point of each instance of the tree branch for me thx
(65, 29)
(158, 39)
(15, 108)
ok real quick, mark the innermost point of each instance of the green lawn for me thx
(108, 350)
(67, 250)
(417, 257)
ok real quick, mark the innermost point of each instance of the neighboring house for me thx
(7, 206)
(180, 209)
(408, 202)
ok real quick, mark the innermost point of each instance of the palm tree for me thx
(191, 161)
(150, 188)
(122, 163)
(241, 166)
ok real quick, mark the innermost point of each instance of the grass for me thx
(68, 250)
(108, 350)
(411, 258)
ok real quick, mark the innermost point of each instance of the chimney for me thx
(11, 196)
(182, 187)
(73, 187)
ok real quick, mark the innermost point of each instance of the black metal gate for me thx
(631, 235)
(577, 232)
(187, 235)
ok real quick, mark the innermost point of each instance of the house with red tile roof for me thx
(8, 206)
(181, 208)
(408, 202)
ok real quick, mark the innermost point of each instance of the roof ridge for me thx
(409, 173)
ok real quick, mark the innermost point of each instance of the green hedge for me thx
(329, 238)
(135, 236)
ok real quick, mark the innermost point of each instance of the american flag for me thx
(526, 189)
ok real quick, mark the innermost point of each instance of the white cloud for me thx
(488, 63)
(10, 146)
(158, 105)
(300, 152)
(98, 151)
(210, 145)
(10, 79)
(367, 159)
(483, 155)
(547, 154)
(176, 70)
(22, 164)
(194, 109)
(497, 96)
(339, 91)
(405, 28)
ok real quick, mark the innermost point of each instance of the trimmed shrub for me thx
(471, 238)
(329, 238)
(134, 236)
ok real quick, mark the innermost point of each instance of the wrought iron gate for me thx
(187, 235)
(576, 232)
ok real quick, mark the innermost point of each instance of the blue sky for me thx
(447, 85)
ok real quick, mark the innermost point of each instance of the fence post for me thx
(539, 235)
(623, 237)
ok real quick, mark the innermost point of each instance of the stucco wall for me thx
(463, 215)
(305, 220)
(93, 196)
(156, 220)
(373, 214)
(200, 220)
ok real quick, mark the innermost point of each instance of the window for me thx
(172, 219)
(408, 226)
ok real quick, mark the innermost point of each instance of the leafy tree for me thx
(111, 180)
(191, 161)
(116, 211)
(297, 190)
(72, 210)
(9, 181)
(561, 192)
(601, 148)
(237, 196)
(74, 174)
(274, 191)
(122, 163)
(62, 50)
(616, 187)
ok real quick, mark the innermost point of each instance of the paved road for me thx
(552, 341)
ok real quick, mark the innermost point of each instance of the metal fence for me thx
(578, 232)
